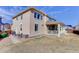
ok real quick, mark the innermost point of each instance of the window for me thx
(21, 27)
(35, 15)
(38, 16)
(36, 27)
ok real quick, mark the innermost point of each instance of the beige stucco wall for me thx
(34, 21)
(25, 24)
(45, 30)
(28, 24)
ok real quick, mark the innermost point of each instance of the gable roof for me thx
(31, 10)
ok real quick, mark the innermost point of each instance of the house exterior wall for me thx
(77, 27)
(45, 29)
(62, 30)
(40, 23)
(25, 22)
(28, 24)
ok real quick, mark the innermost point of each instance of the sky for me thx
(69, 15)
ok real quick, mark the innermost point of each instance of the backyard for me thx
(45, 44)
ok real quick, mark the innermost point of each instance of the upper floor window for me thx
(38, 16)
(35, 15)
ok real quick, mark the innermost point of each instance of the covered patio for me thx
(54, 28)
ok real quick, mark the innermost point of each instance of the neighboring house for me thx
(33, 22)
(69, 28)
(77, 27)
(1, 24)
(4, 26)
(7, 26)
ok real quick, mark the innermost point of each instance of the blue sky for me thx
(67, 14)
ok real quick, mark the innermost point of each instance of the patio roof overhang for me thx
(54, 23)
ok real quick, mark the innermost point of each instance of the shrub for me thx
(76, 32)
(3, 35)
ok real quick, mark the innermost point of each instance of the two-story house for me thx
(32, 22)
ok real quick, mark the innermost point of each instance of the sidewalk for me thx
(5, 42)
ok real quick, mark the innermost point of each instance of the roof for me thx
(55, 22)
(69, 25)
(33, 10)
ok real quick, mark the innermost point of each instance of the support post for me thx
(58, 30)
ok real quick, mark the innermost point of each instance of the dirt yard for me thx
(46, 44)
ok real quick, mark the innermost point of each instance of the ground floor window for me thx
(20, 27)
(36, 27)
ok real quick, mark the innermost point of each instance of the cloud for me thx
(11, 11)
(58, 12)
(53, 11)
(16, 9)
(8, 14)
(4, 12)
(46, 8)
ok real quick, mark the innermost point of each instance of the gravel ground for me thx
(46, 44)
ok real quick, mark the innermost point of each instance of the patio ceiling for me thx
(54, 23)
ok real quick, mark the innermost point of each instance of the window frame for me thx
(20, 27)
(38, 16)
(35, 15)
(36, 27)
